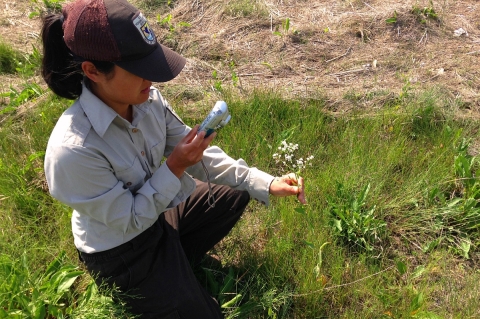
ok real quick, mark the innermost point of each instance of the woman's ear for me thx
(91, 71)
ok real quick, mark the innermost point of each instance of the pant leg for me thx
(154, 268)
(155, 276)
(201, 226)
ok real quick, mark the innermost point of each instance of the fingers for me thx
(301, 191)
(198, 138)
(191, 135)
(294, 179)
(290, 179)
(288, 185)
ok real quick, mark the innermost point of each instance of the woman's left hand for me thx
(288, 185)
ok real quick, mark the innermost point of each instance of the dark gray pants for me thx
(156, 265)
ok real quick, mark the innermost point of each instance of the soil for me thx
(356, 54)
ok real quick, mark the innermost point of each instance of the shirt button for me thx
(143, 153)
(129, 184)
(134, 130)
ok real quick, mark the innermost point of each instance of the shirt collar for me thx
(99, 114)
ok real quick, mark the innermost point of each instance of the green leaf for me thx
(300, 210)
(55, 265)
(38, 310)
(89, 293)
(228, 282)
(426, 315)
(286, 25)
(309, 244)
(68, 281)
(232, 302)
(465, 246)
(418, 272)
(401, 267)
(391, 20)
(417, 302)
(338, 224)
(363, 195)
(316, 271)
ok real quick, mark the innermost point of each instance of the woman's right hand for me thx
(189, 151)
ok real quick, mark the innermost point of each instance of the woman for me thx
(139, 221)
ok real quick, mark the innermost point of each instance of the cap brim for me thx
(162, 65)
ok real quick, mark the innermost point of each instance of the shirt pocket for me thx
(157, 152)
(133, 177)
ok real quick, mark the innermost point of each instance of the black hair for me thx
(61, 69)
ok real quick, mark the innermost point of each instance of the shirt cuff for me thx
(259, 185)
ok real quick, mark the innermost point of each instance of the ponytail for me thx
(60, 70)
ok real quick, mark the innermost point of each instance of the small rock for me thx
(460, 32)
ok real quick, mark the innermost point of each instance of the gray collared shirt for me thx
(113, 174)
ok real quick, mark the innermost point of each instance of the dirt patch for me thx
(16, 26)
(345, 51)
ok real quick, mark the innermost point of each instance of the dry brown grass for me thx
(309, 60)
(329, 49)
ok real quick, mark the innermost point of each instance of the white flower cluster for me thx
(286, 156)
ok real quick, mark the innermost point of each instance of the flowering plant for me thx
(286, 156)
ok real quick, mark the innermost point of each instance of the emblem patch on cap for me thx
(141, 24)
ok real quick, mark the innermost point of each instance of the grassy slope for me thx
(403, 147)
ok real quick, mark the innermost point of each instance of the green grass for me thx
(405, 153)
(246, 8)
(9, 58)
(289, 261)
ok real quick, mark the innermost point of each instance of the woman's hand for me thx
(288, 185)
(189, 151)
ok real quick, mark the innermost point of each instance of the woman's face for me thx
(120, 89)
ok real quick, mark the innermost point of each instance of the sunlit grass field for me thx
(390, 229)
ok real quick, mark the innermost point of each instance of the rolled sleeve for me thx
(83, 180)
(167, 189)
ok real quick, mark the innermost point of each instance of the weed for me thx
(47, 6)
(25, 67)
(354, 223)
(285, 28)
(425, 14)
(9, 58)
(233, 73)
(167, 23)
(29, 92)
(246, 8)
(268, 65)
(392, 19)
(217, 83)
(37, 294)
(173, 28)
(29, 65)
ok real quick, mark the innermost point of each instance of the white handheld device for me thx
(217, 118)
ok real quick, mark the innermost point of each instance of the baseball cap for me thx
(116, 31)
